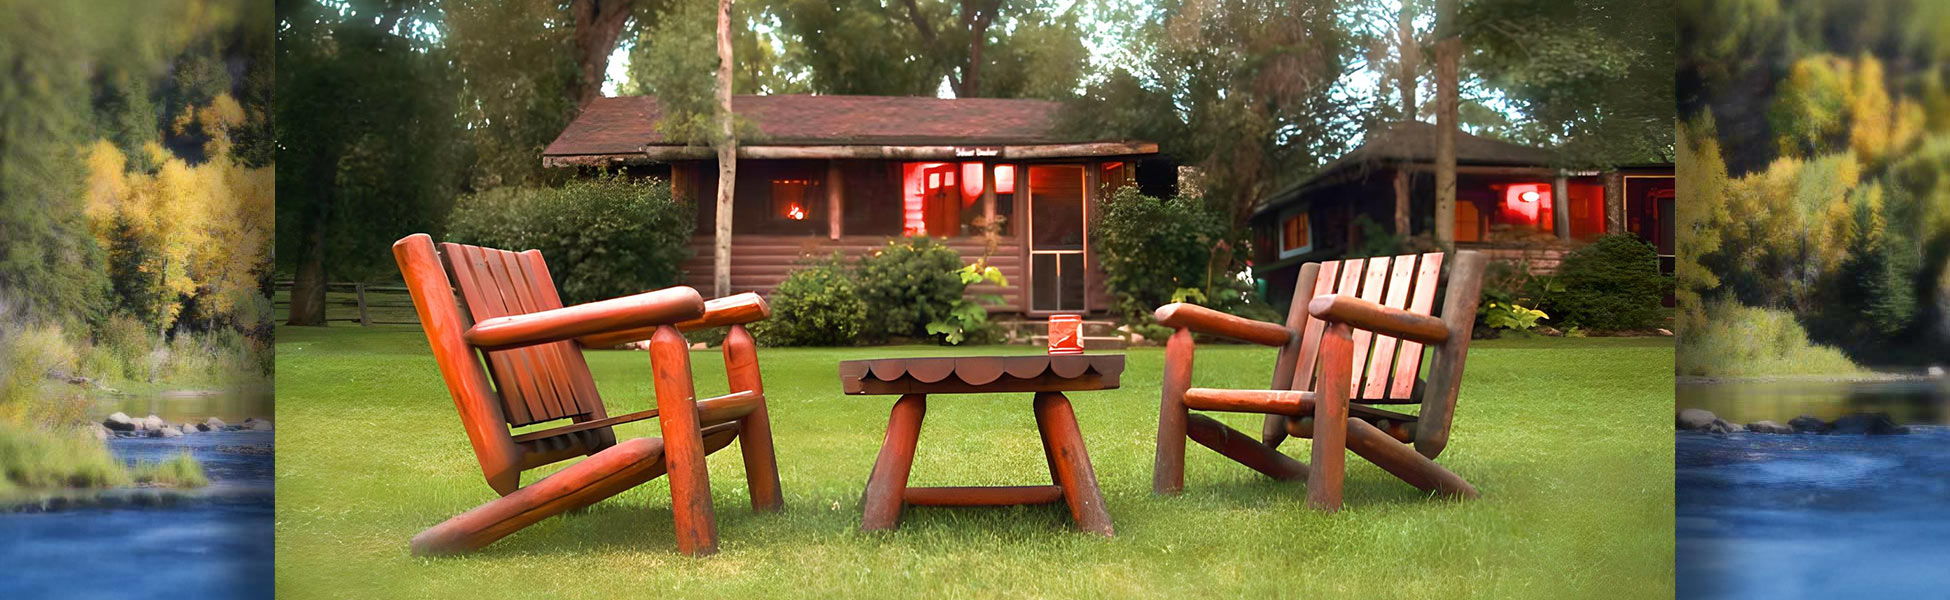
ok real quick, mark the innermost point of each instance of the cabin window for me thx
(942, 199)
(1296, 234)
(792, 199)
(1587, 206)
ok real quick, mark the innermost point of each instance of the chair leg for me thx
(1330, 419)
(1272, 431)
(1168, 469)
(1073, 471)
(1232, 443)
(1404, 462)
(887, 486)
(755, 430)
(690, 482)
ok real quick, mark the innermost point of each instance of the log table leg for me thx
(887, 486)
(1072, 463)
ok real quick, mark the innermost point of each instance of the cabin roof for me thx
(1412, 142)
(628, 125)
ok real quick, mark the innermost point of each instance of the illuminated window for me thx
(792, 199)
(1296, 234)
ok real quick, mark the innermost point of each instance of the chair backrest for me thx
(536, 383)
(514, 387)
(1387, 369)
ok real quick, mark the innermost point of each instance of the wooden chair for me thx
(511, 356)
(1349, 318)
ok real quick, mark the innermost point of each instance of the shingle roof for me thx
(1413, 141)
(625, 125)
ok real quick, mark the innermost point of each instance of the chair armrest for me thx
(1197, 318)
(736, 309)
(1362, 314)
(648, 309)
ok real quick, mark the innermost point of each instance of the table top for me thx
(981, 374)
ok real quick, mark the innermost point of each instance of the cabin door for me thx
(1056, 238)
(941, 201)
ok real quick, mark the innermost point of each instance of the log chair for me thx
(511, 356)
(1353, 339)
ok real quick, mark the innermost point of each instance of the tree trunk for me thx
(308, 284)
(727, 158)
(1411, 59)
(598, 23)
(1448, 49)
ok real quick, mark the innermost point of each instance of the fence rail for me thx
(376, 304)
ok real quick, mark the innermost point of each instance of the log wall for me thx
(760, 262)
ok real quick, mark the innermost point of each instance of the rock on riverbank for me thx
(122, 425)
(1875, 423)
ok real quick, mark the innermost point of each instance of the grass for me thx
(1569, 440)
(180, 471)
(32, 458)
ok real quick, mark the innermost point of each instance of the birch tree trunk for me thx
(727, 158)
(1448, 50)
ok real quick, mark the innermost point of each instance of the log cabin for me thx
(848, 173)
(1507, 204)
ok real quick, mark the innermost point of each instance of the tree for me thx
(368, 145)
(727, 146)
(985, 48)
(1448, 50)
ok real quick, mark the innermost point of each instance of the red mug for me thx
(1066, 334)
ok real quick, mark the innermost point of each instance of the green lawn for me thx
(1568, 439)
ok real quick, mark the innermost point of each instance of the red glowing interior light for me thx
(795, 212)
(1527, 203)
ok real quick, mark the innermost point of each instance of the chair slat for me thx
(547, 357)
(1399, 279)
(467, 267)
(1303, 374)
(1372, 281)
(1421, 302)
(574, 366)
(534, 393)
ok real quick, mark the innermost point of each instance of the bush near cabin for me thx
(1612, 284)
(817, 305)
(604, 237)
(1155, 251)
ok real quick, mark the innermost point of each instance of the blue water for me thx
(1813, 516)
(216, 545)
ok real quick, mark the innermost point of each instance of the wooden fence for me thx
(375, 304)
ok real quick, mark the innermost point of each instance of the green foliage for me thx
(28, 355)
(516, 73)
(1512, 293)
(970, 318)
(1155, 252)
(604, 237)
(1611, 284)
(370, 142)
(1734, 340)
(1497, 314)
(31, 457)
(1243, 90)
(1596, 82)
(179, 471)
(816, 305)
(907, 284)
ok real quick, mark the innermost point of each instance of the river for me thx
(1816, 516)
(216, 544)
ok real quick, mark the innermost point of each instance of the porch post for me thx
(1560, 208)
(988, 193)
(1614, 203)
(833, 196)
(1401, 203)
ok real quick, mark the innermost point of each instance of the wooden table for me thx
(1072, 478)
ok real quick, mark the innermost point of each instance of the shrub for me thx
(1736, 340)
(817, 305)
(27, 356)
(1151, 249)
(907, 284)
(1610, 284)
(181, 470)
(603, 237)
(121, 343)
